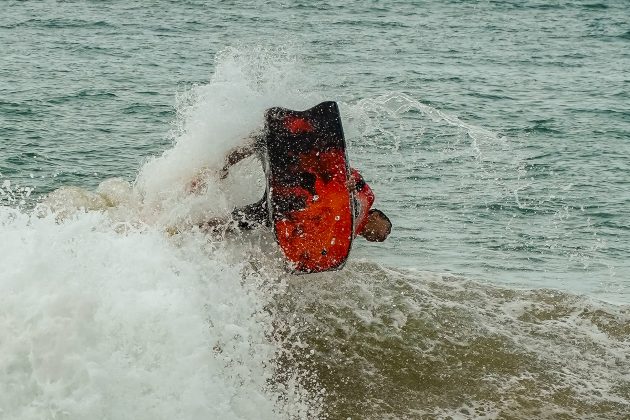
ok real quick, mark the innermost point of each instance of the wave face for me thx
(389, 343)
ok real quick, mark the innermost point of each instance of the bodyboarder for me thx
(370, 223)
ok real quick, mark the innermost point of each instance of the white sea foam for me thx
(105, 315)
(96, 324)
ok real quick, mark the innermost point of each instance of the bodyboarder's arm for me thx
(237, 154)
(198, 183)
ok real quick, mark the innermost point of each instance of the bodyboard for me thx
(310, 206)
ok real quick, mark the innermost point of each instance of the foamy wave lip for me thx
(95, 324)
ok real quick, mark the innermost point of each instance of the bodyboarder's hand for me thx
(352, 184)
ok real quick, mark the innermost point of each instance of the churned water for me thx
(496, 136)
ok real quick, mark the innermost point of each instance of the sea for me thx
(495, 135)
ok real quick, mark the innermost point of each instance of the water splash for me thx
(14, 195)
(107, 315)
(213, 118)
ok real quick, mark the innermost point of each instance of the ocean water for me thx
(495, 135)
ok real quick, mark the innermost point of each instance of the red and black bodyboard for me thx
(310, 206)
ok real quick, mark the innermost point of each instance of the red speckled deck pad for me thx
(307, 181)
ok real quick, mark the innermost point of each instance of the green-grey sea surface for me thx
(495, 135)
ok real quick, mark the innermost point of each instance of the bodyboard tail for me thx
(310, 206)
